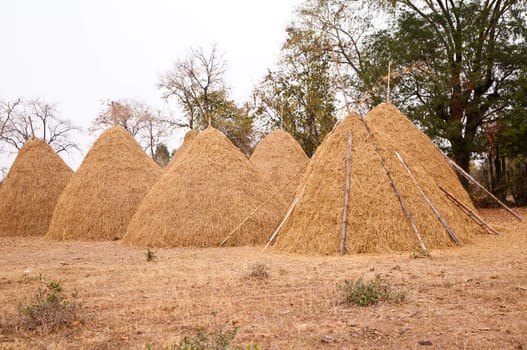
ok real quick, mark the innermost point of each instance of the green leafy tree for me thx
(299, 95)
(161, 155)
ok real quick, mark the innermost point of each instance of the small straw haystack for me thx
(280, 158)
(204, 197)
(31, 190)
(375, 222)
(106, 190)
(187, 141)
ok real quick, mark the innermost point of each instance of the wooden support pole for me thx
(394, 187)
(471, 179)
(475, 217)
(346, 196)
(275, 233)
(428, 201)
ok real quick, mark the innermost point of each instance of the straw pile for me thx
(280, 158)
(31, 190)
(106, 190)
(396, 129)
(376, 222)
(203, 197)
(187, 141)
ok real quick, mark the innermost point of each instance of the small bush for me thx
(218, 339)
(150, 254)
(49, 310)
(260, 271)
(369, 293)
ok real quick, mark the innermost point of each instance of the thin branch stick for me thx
(477, 219)
(260, 206)
(341, 84)
(428, 201)
(289, 211)
(394, 187)
(346, 197)
(471, 179)
(389, 77)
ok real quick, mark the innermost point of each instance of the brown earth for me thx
(473, 297)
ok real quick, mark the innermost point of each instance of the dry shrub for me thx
(280, 158)
(31, 190)
(106, 190)
(210, 190)
(375, 220)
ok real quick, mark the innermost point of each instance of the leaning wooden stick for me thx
(477, 219)
(394, 187)
(471, 179)
(428, 201)
(346, 196)
(260, 206)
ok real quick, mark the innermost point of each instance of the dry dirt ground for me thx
(473, 297)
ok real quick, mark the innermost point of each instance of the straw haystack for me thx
(399, 132)
(187, 141)
(203, 197)
(31, 190)
(375, 221)
(280, 158)
(105, 191)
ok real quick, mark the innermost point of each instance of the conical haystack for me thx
(399, 132)
(202, 198)
(280, 158)
(187, 141)
(375, 222)
(105, 191)
(31, 190)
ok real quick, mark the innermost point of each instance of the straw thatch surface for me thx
(395, 128)
(31, 190)
(201, 199)
(187, 141)
(105, 191)
(376, 222)
(280, 158)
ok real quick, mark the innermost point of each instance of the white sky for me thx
(77, 53)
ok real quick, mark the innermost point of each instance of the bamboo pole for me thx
(346, 196)
(475, 217)
(475, 182)
(394, 187)
(428, 201)
(289, 211)
(260, 206)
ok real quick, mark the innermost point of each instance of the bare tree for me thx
(192, 81)
(137, 118)
(23, 119)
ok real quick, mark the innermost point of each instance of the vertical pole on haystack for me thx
(114, 112)
(472, 180)
(394, 187)
(346, 196)
(389, 76)
(428, 201)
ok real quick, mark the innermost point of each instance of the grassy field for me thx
(473, 297)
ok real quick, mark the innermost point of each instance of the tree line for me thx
(456, 68)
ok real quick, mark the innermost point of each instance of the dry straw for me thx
(203, 197)
(106, 190)
(376, 222)
(187, 141)
(31, 190)
(280, 158)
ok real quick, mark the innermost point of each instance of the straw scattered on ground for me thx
(106, 190)
(31, 190)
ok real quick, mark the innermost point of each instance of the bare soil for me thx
(470, 297)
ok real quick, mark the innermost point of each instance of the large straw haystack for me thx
(187, 141)
(375, 222)
(202, 198)
(31, 190)
(280, 158)
(399, 132)
(105, 191)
